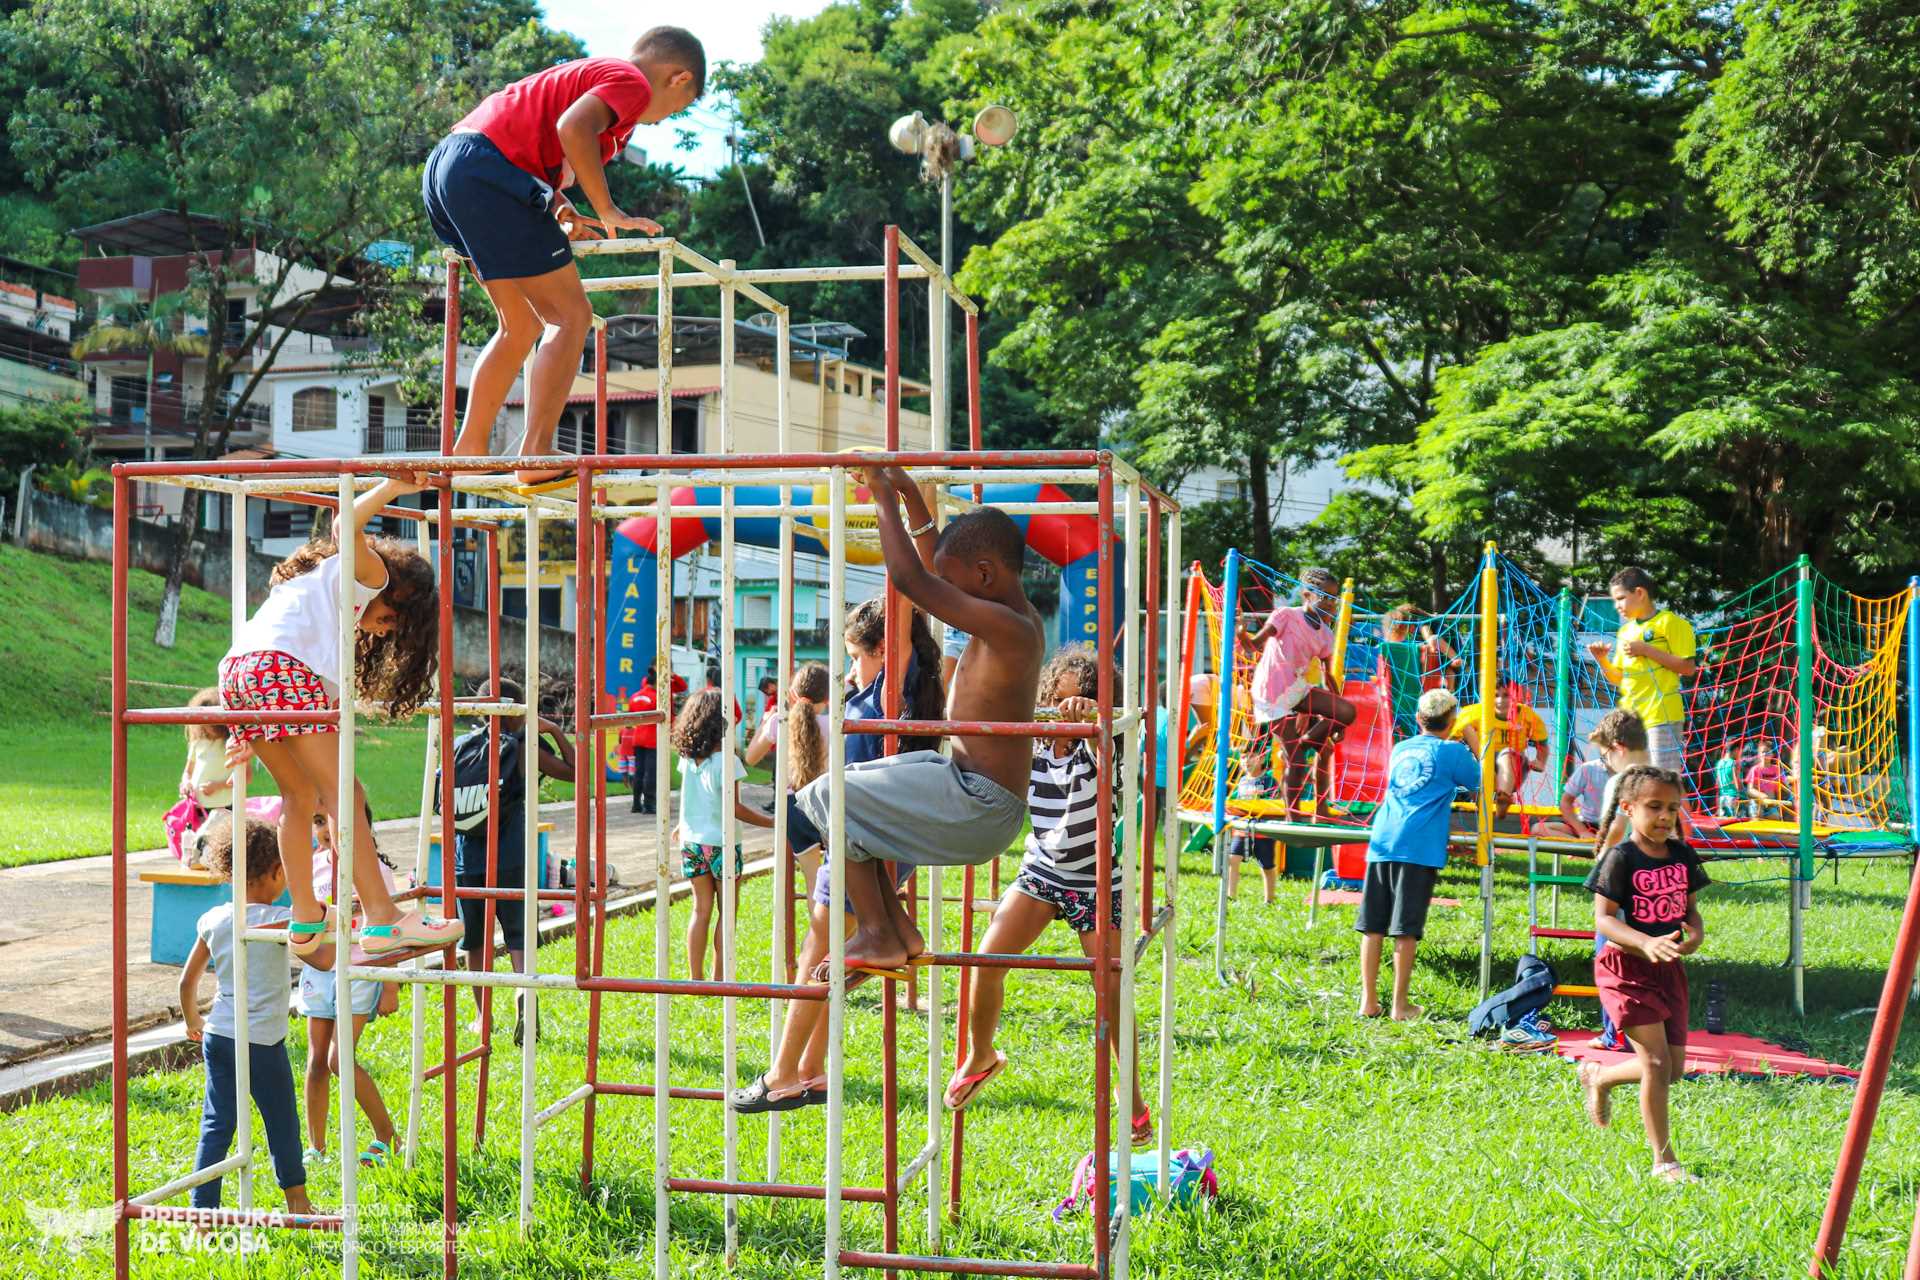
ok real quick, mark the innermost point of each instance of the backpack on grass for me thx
(1189, 1175)
(1532, 988)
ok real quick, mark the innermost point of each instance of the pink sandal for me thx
(969, 1087)
(1143, 1128)
(409, 931)
(304, 937)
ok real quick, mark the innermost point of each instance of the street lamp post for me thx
(941, 149)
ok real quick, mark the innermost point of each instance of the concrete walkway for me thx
(56, 958)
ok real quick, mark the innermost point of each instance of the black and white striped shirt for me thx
(1063, 796)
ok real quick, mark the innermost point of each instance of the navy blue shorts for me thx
(490, 213)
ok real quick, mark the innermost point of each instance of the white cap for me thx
(1436, 704)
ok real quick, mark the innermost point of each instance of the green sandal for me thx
(304, 937)
(375, 1155)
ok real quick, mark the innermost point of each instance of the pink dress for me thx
(1279, 681)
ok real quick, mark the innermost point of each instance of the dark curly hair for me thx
(1072, 672)
(699, 727)
(396, 669)
(263, 848)
(924, 697)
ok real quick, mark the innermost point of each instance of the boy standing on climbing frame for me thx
(493, 193)
(1653, 653)
(922, 808)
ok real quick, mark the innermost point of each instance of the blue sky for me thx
(730, 29)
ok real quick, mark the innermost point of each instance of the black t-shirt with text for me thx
(1652, 891)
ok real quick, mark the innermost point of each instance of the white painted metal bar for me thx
(940, 410)
(187, 1182)
(1170, 847)
(936, 276)
(530, 850)
(346, 821)
(663, 791)
(729, 820)
(237, 884)
(782, 748)
(662, 245)
(724, 274)
(417, 1028)
(923, 1159)
(753, 276)
(1134, 781)
(836, 889)
(579, 1095)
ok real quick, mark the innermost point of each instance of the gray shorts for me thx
(921, 809)
(1665, 749)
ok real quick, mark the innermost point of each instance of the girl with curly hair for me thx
(709, 778)
(287, 658)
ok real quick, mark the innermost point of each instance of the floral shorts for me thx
(1071, 905)
(269, 680)
(704, 860)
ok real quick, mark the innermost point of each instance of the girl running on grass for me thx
(287, 658)
(709, 778)
(1643, 905)
(1057, 876)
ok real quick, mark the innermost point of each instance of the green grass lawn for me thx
(55, 660)
(1345, 1149)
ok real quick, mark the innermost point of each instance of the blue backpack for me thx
(1532, 988)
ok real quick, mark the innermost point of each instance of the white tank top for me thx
(301, 617)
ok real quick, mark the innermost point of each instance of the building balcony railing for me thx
(413, 437)
(808, 638)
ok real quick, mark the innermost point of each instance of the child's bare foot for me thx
(540, 475)
(878, 949)
(1599, 1105)
(1673, 1171)
(297, 1201)
(1407, 1012)
(910, 939)
(1371, 1009)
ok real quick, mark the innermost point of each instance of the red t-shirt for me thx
(523, 119)
(644, 735)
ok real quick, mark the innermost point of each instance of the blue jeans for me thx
(271, 1076)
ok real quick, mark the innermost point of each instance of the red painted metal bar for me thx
(390, 512)
(1149, 703)
(489, 904)
(976, 728)
(1006, 960)
(216, 715)
(647, 1091)
(480, 1052)
(897, 623)
(217, 1218)
(1103, 985)
(507, 893)
(967, 1266)
(122, 1190)
(621, 719)
(449, 1002)
(978, 459)
(1872, 1086)
(776, 1190)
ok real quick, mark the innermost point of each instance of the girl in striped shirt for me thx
(1057, 874)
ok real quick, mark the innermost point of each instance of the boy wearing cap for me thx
(1407, 847)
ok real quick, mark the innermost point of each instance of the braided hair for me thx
(1634, 779)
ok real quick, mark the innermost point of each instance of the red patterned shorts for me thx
(269, 680)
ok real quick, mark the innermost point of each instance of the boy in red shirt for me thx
(493, 193)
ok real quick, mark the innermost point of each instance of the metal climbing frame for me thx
(1123, 502)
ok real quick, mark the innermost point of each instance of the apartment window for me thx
(130, 399)
(686, 429)
(316, 409)
(756, 613)
(287, 522)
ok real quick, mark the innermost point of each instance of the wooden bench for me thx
(181, 895)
